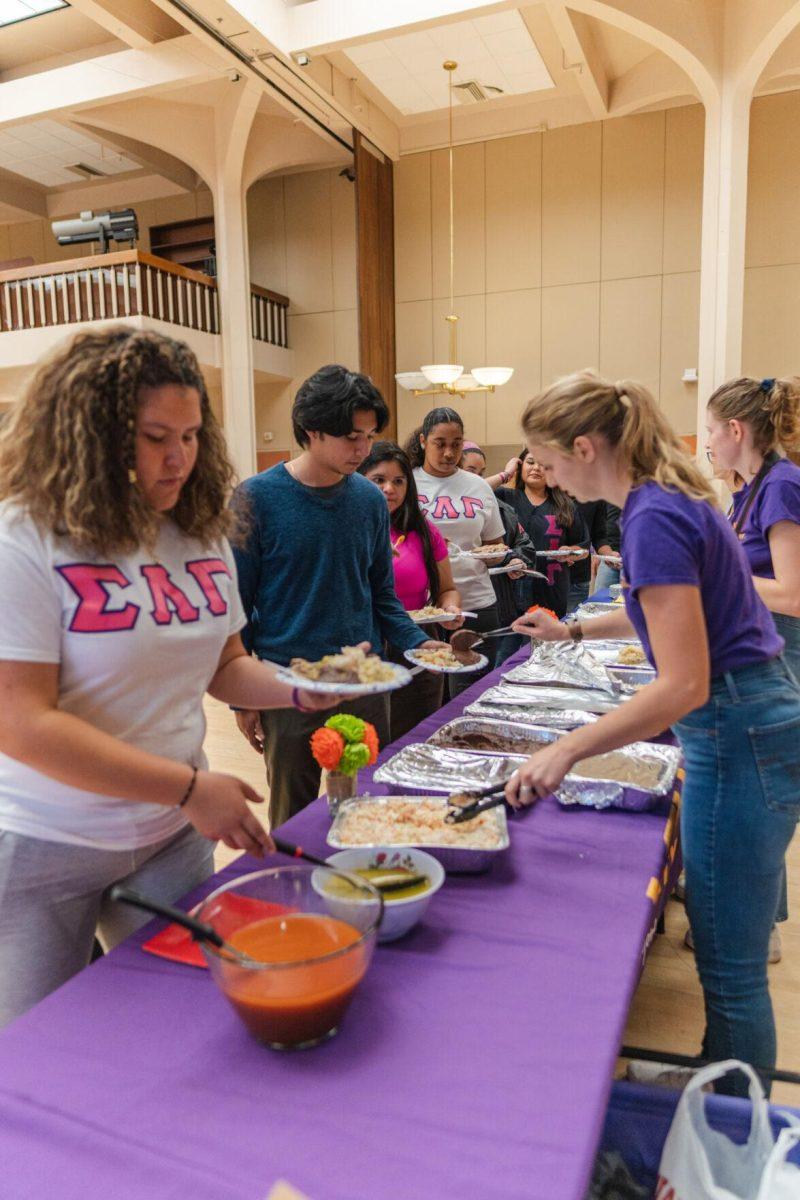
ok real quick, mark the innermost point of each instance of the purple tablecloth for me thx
(474, 1064)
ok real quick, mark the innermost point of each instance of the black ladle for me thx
(198, 929)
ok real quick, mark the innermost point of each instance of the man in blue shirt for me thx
(315, 571)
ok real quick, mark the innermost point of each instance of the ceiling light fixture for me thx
(450, 378)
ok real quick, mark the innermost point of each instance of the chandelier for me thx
(450, 377)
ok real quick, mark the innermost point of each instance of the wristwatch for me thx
(575, 629)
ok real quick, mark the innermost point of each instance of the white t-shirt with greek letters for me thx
(463, 508)
(137, 639)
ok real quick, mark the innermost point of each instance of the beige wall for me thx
(34, 239)
(577, 247)
(302, 243)
(771, 344)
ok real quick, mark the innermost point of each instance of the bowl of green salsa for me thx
(407, 879)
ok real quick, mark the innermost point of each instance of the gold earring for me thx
(132, 476)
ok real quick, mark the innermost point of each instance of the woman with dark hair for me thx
(422, 574)
(120, 610)
(463, 508)
(552, 522)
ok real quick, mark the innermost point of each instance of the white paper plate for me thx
(439, 620)
(613, 560)
(410, 656)
(329, 687)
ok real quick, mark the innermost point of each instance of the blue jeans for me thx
(741, 803)
(789, 629)
(578, 594)
(606, 575)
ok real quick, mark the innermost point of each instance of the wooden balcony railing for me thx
(268, 316)
(130, 283)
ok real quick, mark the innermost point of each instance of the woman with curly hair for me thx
(120, 609)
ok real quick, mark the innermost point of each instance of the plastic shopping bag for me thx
(701, 1163)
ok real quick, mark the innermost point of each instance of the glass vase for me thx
(340, 787)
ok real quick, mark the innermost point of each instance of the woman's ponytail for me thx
(770, 407)
(413, 448)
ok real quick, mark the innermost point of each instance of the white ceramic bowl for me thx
(399, 916)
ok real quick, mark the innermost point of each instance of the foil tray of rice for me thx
(526, 698)
(637, 777)
(395, 821)
(422, 768)
(482, 735)
(550, 718)
(563, 664)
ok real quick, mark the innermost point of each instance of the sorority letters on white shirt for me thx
(137, 641)
(464, 510)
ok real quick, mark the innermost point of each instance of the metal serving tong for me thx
(487, 798)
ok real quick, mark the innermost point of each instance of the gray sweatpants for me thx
(53, 897)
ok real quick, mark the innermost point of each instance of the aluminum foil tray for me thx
(550, 718)
(597, 608)
(422, 769)
(527, 737)
(632, 678)
(600, 793)
(456, 859)
(562, 664)
(608, 651)
(526, 696)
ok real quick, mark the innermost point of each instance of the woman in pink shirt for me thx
(422, 574)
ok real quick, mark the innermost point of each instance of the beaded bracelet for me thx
(187, 795)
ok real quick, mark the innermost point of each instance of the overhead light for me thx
(449, 377)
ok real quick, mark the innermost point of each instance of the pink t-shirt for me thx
(410, 576)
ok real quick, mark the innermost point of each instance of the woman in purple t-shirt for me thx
(722, 684)
(422, 575)
(748, 422)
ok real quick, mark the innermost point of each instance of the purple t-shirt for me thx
(778, 499)
(668, 538)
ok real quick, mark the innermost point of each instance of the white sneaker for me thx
(659, 1074)
(774, 954)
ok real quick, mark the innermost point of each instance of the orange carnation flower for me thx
(327, 746)
(371, 741)
(540, 608)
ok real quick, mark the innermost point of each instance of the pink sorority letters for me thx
(204, 570)
(95, 585)
(168, 597)
(88, 581)
(444, 508)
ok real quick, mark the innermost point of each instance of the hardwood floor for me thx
(667, 1010)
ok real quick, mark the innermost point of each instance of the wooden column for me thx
(375, 261)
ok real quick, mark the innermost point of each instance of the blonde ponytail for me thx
(627, 416)
(771, 408)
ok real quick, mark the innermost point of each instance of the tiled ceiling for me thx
(495, 50)
(20, 10)
(46, 152)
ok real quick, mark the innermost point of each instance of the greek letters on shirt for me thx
(97, 586)
(554, 532)
(444, 507)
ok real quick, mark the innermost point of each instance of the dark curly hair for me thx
(68, 449)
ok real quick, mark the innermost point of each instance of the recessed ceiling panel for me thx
(12, 11)
(48, 153)
(496, 51)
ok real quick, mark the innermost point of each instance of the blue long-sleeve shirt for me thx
(316, 571)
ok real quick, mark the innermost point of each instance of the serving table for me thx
(475, 1062)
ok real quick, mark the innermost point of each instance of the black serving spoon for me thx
(198, 929)
(389, 885)
(482, 801)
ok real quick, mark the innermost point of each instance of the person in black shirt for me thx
(595, 515)
(552, 522)
(607, 575)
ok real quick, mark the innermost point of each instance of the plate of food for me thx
(611, 560)
(563, 552)
(431, 614)
(492, 553)
(444, 660)
(350, 673)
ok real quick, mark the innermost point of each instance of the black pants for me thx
(292, 773)
(487, 618)
(413, 703)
